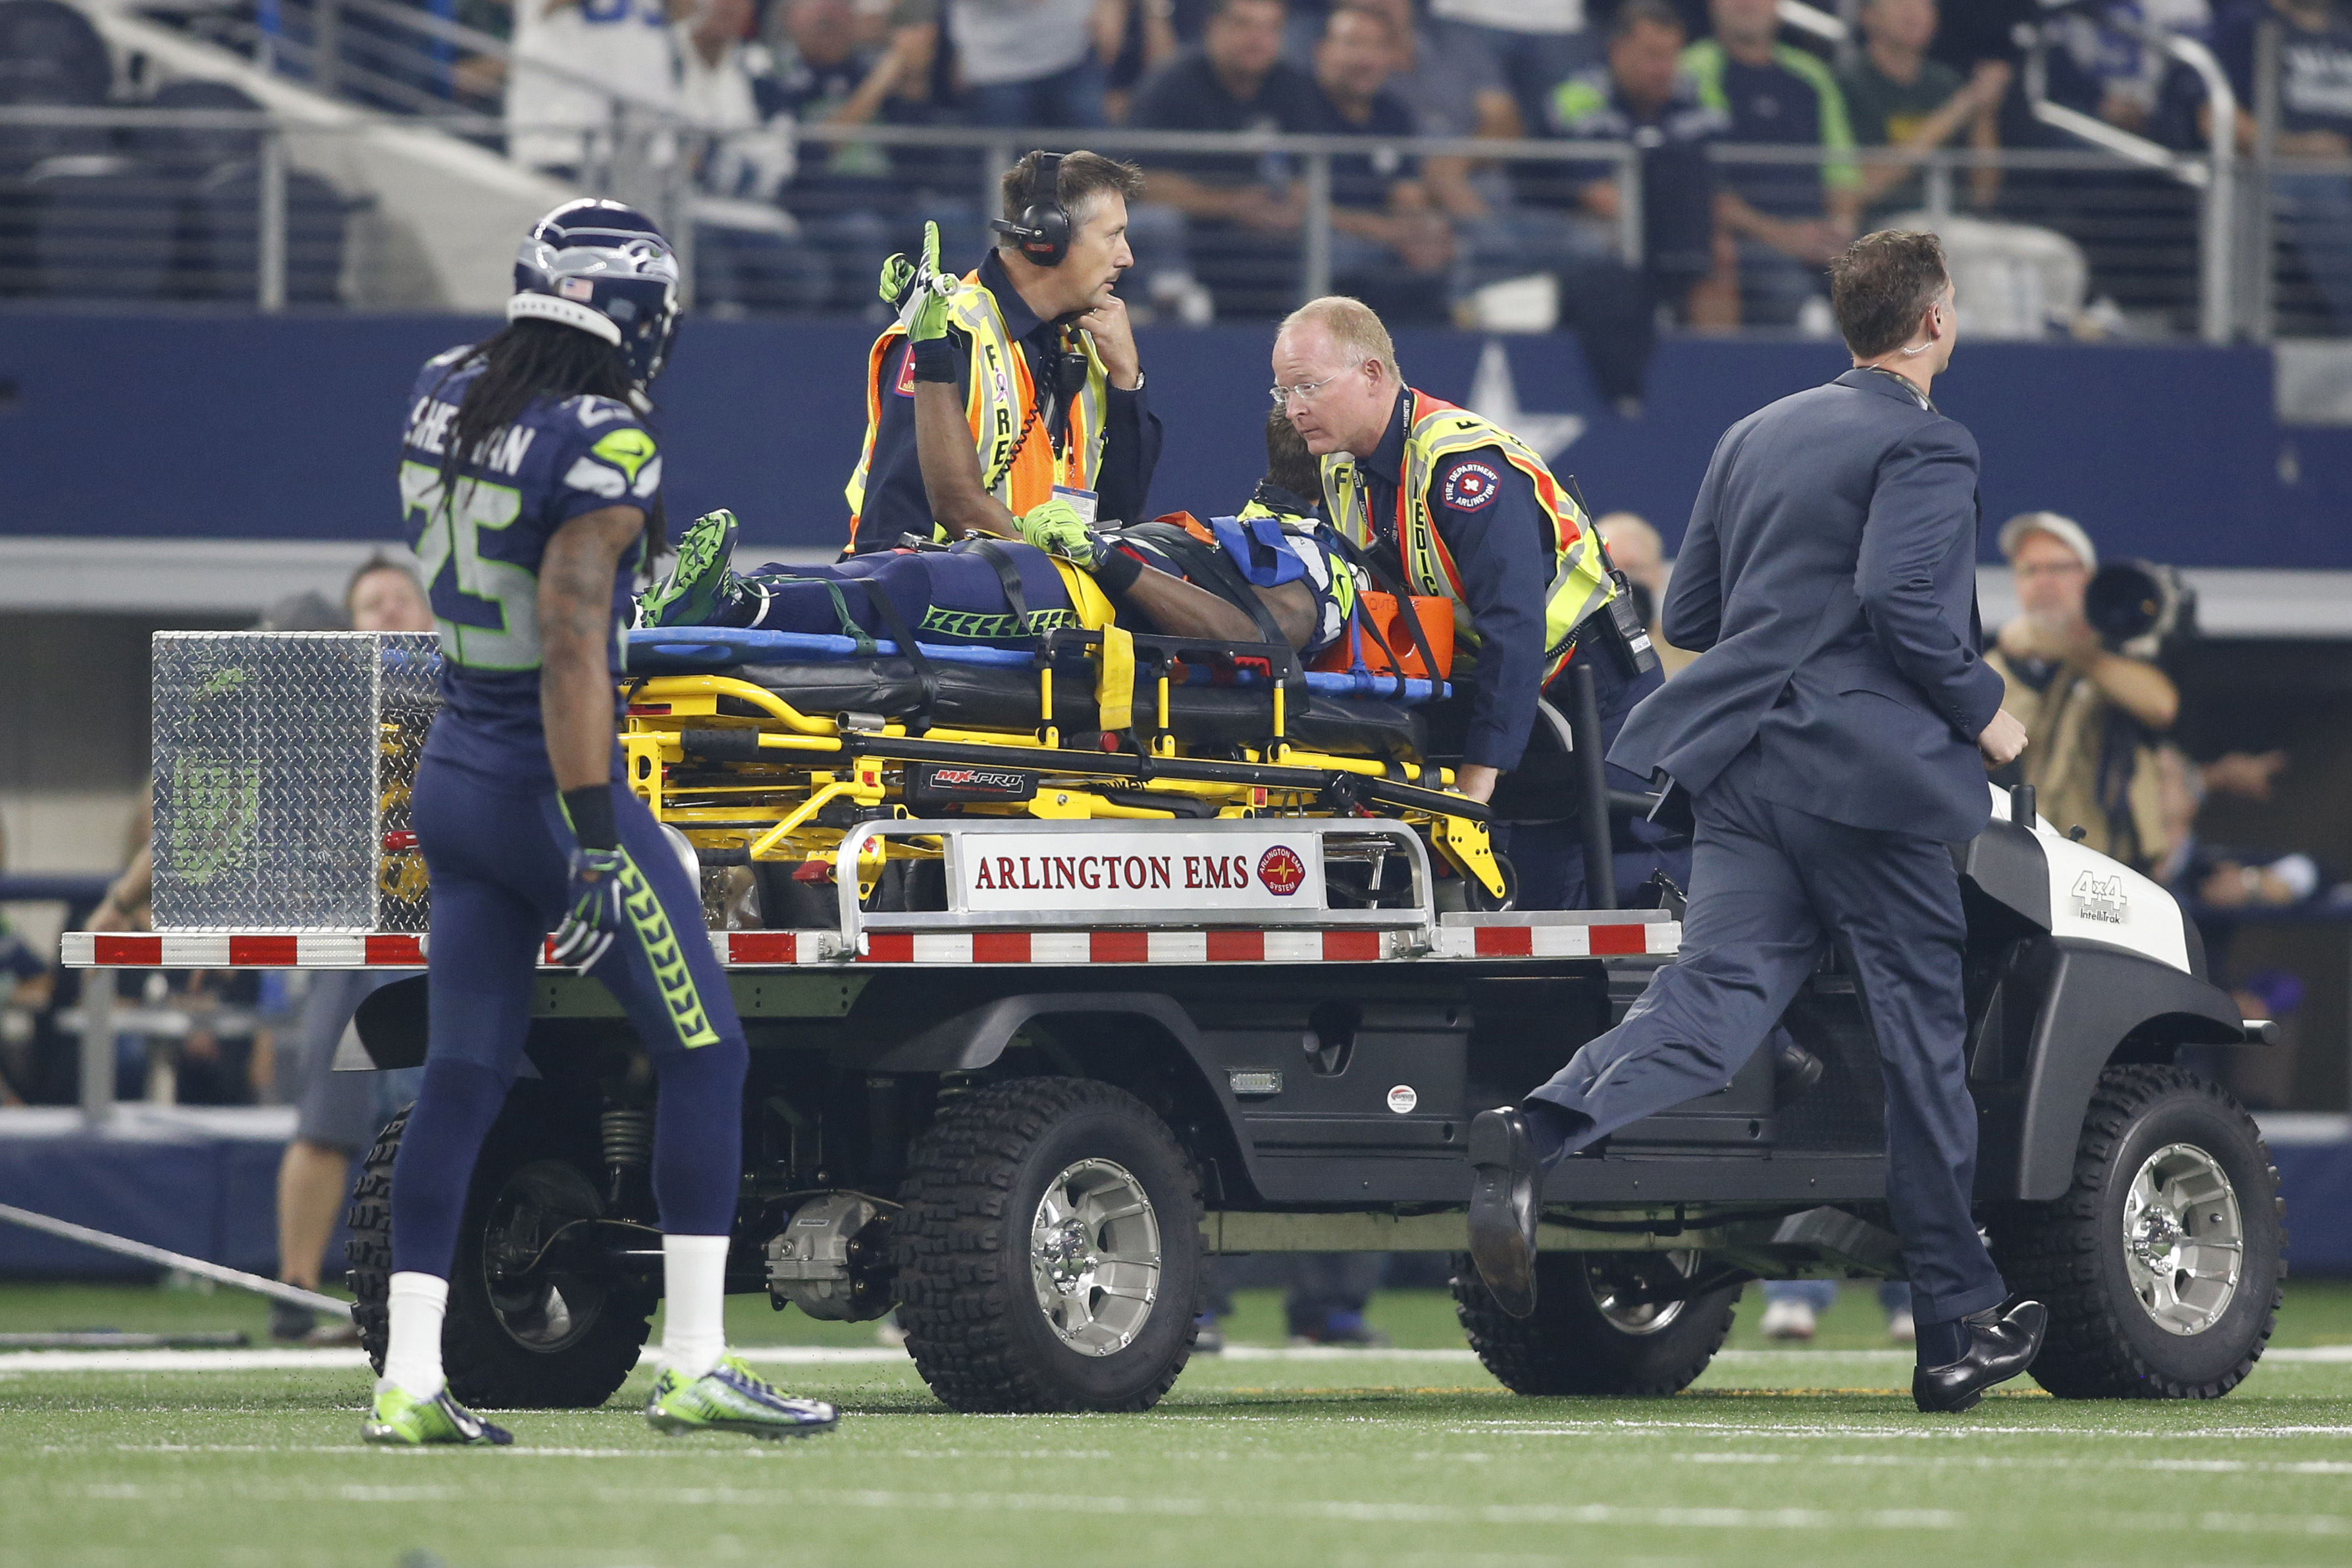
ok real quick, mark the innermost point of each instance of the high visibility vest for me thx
(1434, 431)
(1018, 463)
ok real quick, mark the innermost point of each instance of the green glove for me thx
(918, 292)
(1055, 527)
(897, 281)
(929, 322)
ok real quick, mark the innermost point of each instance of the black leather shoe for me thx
(2002, 1342)
(1795, 1071)
(1504, 1199)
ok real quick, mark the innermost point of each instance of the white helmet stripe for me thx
(571, 313)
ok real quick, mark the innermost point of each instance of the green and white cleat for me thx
(400, 1419)
(731, 1397)
(698, 583)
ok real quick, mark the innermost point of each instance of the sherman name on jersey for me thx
(480, 539)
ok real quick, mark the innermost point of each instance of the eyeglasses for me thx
(1304, 391)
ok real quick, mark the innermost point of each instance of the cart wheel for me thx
(540, 1340)
(1049, 1252)
(2161, 1263)
(1585, 1337)
(1480, 900)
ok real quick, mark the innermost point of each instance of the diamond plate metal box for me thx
(283, 764)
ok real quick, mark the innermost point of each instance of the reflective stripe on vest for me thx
(1437, 430)
(1001, 393)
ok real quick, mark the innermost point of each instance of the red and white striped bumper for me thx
(769, 949)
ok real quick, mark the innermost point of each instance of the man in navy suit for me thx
(1832, 738)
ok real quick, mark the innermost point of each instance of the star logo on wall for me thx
(1495, 394)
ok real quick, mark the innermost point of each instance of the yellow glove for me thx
(1055, 527)
(919, 291)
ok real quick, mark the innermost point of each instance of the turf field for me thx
(1265, 1455)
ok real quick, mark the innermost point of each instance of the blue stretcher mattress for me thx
(705, 650)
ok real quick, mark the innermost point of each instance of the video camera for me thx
(2139, 602)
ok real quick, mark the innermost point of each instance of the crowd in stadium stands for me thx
(1727, 242)
(1733, 233)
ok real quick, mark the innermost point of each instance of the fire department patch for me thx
(1470, 486)
(1281, 870)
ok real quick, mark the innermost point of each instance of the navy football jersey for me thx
(481, 551)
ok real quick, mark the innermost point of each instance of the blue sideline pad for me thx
(696, 650)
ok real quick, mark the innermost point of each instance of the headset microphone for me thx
(1044, 231)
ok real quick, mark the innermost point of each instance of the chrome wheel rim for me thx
(1094, 1256)
(2184, 1238)
(1611, 1276)
(541, 1310)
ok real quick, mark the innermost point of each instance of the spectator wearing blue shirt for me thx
(1643, 95)
(854, 202)
(1244, 213)
(1788, 219)
(1448, 84)
(2314, 97)
(1391, 246)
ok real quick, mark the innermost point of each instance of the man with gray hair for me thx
(1459, 508)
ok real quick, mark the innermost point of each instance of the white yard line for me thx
(1351, 1511)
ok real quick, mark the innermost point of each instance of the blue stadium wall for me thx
(240, 427)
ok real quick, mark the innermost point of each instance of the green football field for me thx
(1264, 1455)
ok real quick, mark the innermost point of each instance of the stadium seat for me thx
(226, 230)
(49, 55)
(104, 226)
(2013, 279)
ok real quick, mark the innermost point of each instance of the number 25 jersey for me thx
(479, 541)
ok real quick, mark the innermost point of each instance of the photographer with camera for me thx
(2093, 701)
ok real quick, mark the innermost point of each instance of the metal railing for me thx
(2205, 256)
(625, 165)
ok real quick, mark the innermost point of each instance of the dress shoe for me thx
(2002, 1343)
(1504, 1199)
(1795, 1071)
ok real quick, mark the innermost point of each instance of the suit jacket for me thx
(1829, 582)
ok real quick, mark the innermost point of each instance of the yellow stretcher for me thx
(768, 760)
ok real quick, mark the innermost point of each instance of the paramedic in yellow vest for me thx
(1460, 509)
(1043, 360)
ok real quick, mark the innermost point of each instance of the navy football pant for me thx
(948, 596)
(500, 863)
(1770, 885)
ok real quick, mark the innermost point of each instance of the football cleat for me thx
(731, 1397)
(698, 583)
(400, 1419)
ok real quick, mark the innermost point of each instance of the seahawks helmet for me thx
(605, 269)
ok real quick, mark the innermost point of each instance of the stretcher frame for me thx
(797, 782)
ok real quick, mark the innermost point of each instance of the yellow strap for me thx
(1115, 671)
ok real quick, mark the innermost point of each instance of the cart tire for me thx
(1576, 1344)
(1480, 900)
(500, 1351)
(1021, 1202)
(2170, 1173)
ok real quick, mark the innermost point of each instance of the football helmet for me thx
(602, 267)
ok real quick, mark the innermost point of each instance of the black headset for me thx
(1044, 231)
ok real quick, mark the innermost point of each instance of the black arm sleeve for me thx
(1130, 452)
(1487, 516)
